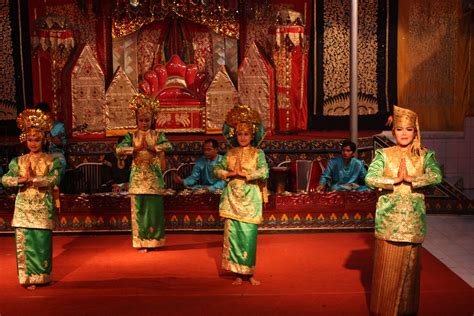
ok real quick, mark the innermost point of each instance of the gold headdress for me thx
(33, 122)
(243, 117)
(142, 103)
(408, 118)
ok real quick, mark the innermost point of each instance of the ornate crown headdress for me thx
(33, 122)
(143, 103)
(242, 116)
(406, 117)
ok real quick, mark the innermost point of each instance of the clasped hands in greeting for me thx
(144, 145)
(237, 172)
(402, 175)
(28, 178)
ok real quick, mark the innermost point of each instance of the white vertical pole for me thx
(353, 70)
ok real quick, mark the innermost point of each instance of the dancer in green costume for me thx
(246, 170)
(146, 177)
(35, 174)
(400, 222)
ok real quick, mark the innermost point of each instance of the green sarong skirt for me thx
(34, 255)
(148, 221)
(239, 253)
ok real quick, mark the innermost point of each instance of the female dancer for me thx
(146, 177)
(246, 170)
(35, 174)
(400, 223)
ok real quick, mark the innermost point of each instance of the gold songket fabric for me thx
(34, 201)
(396, 279)
(400, 214)
(242, 198)
(146, 176)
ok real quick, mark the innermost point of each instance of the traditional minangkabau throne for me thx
(181, 90)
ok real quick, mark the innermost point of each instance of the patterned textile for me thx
(34, 206)
(221, 96)
(401, 212)
(7, 62)
(118, 118)
(148, 221)
(146, 176)
(376, 57)
(239, 253)
(242, 197)
(148, 46)
(395, 278)
(256, 85)
(34, 255)
(88, 95)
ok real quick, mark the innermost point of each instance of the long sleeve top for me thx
(58, 130)
(242, 198)
(202, 175)
(338, 173)
(400, 214)
(146, 176)
(34, 205)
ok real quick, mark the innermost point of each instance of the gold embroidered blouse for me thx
(146, 176)
(242, 197)
(400, 214)
(34, 207)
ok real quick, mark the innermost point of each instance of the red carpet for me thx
(318, 274)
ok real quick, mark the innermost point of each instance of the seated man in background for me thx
(116, 172)
(202, 175)
(58, 141)
(344, 173)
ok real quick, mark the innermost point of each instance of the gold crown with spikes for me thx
(142, 103)
(242, 116)
(33, 122)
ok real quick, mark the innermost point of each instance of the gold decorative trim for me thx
(180, 130)
(88, 94)
(242, 220)
(165, 108)
(128, 18)
(256, 85)
(23, 277)
(148, 243)
(237, 268)
(119, 132)
(119, 93)
(20, 255)
(136, 241)
(226, 263)
(221, 97)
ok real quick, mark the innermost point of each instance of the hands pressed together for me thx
(30, 174)
(143, 145)
(402, 175)
(237, 172)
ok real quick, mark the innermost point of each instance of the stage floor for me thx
(317, 273)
